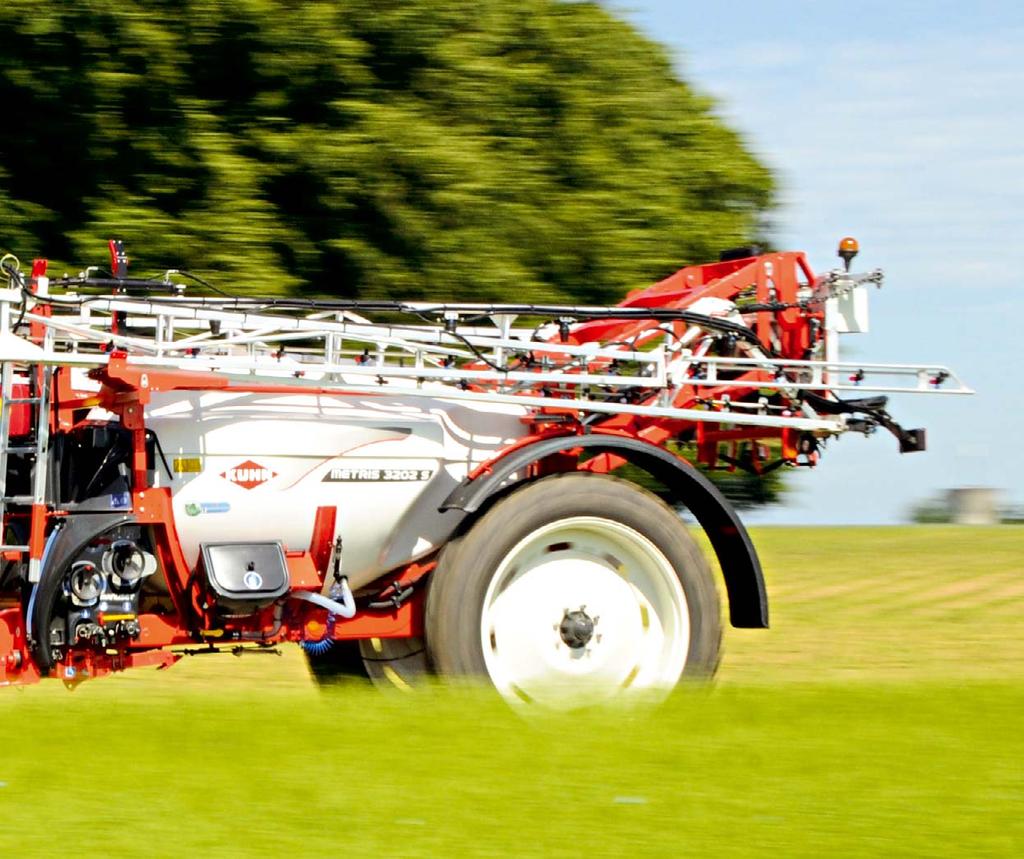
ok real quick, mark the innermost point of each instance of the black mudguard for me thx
(741, 568)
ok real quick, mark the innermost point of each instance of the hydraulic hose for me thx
(345, 608)
(335, 609)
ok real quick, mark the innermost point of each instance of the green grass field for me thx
(880, 716)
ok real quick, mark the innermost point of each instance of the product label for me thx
(377, 475)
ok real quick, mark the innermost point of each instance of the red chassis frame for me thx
(792, 329)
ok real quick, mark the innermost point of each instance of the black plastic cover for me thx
(744, 581)
(245, 577)
(913, 441)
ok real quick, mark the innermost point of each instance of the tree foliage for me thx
(375, 148)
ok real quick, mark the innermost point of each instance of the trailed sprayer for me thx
(472, 490)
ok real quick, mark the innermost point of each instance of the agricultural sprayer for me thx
(473, 490)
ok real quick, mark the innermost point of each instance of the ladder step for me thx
(21, 401)
(13, 548)
(19, 499)
(21, 448)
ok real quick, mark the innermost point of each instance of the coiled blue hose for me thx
(322, 644)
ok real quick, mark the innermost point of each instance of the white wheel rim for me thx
(619, 581)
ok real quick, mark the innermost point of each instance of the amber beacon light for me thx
(848, 249)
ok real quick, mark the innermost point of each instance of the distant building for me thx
(973, 505)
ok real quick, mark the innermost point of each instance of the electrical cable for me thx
(14, 275)
(207, 284)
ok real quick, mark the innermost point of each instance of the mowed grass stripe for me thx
(885, 603)
(923, 594)
(1006, 589)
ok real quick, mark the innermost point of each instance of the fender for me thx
(741, 568)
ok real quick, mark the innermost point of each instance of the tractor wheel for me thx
(395, 663)
(340, 663)
(575, 589)
(389, 663)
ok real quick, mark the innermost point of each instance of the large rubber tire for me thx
(389, 663)
(395, 663)
(574, 589)
(341, 664)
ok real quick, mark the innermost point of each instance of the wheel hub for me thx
(577, 628)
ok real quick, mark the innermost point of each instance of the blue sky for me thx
(903, 125)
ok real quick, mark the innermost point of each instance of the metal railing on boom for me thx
(453, 351)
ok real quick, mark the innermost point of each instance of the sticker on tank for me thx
(377, 475)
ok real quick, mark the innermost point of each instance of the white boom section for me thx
(344, 351)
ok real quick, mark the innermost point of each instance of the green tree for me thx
(405, 148)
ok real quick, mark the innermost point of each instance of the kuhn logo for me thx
(248, 474)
